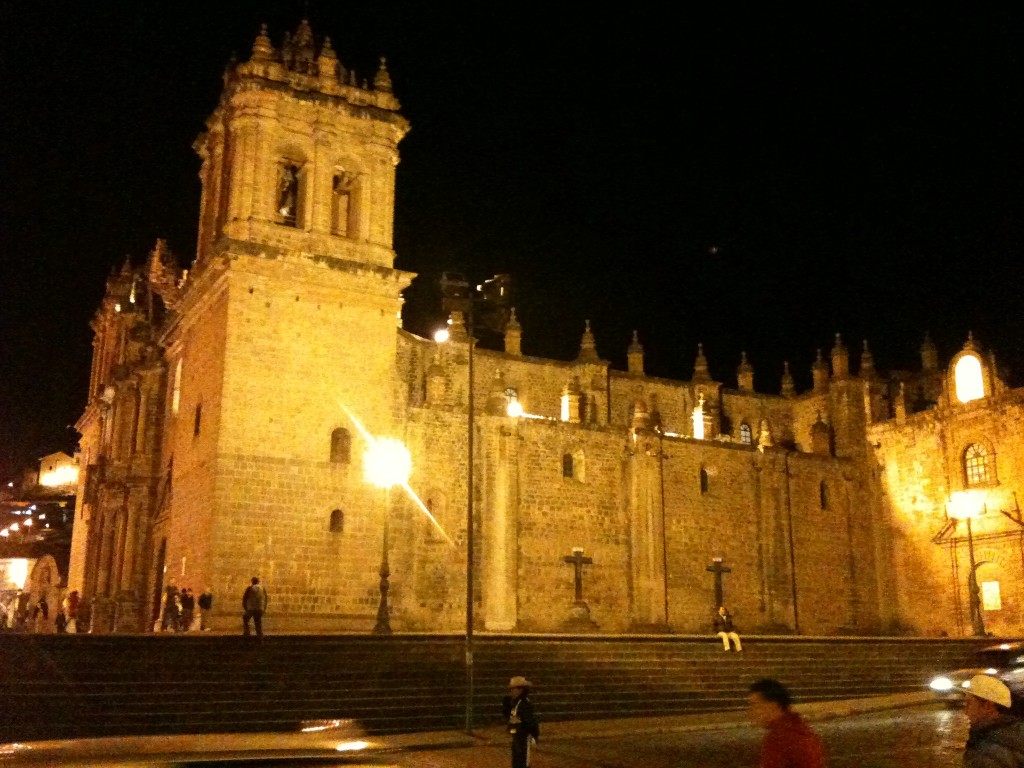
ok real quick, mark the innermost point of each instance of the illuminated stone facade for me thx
(217, 443)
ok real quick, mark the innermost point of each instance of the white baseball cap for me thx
(990, 689)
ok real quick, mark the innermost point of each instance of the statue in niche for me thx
(288, 195)
(341, 203)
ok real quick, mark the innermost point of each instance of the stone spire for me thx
(970, 344)
(382, 80)
(262, 48)
(700, 366)
(327, 63)
(819, 372)
(745, 374)
(867, 363)
(840, 359)
(513, 335)
(298, 50)
(929, 354)
(788, 387)
(635, 355)
(588, 348)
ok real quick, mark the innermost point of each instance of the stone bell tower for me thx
(288, 317)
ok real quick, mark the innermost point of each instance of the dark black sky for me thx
(751, 182)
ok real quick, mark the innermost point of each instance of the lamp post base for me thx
(383, 625)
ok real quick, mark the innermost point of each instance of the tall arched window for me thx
(337, 524)
(979, 468)
(823, 495)
(341, 446)
(746, 435)
(567, 465)
(704, 483)
(288, 194)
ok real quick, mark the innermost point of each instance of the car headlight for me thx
(941, 684)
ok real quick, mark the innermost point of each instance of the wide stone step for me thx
(176, 684)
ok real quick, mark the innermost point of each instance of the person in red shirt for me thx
(789, 742)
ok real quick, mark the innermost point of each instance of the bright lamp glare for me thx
(514, 409)
(387, 463)
(352, 746)
(441, 335)
(941, 684)
(65, 475)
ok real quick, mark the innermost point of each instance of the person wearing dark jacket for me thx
(788, 741)
(521, 719)
(996, 738)
(205, 606)
(188, 609)
(725, 630)
(254, 603)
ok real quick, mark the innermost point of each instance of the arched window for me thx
(979, 467)
(704, 484)
(288, 194)
(746, 435)
(567, 465)
(970, 382)
(337, 521)
(341, 446)
(345, 204)
(823, 494)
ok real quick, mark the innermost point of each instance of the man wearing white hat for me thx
(997, 737)
(522, 722)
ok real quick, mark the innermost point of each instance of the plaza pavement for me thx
(345, 738)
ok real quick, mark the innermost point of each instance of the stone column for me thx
(501, 544)
(647, 535)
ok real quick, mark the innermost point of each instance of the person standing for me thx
(254, 603)
(521, 719)
(996, 738)
(71, 610)
(789, 742)
(725, 629)
(170, 619)
(188, 609)
(205, 606)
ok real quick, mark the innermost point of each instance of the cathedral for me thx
(232, 405)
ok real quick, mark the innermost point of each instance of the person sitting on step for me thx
(725, 629)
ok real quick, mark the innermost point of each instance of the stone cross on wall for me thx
(577, 560)
(718, 569)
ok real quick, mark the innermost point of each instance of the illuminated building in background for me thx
(215, 444)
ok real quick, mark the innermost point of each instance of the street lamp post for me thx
(495, 295)
(961, 508)
(387, 463)
(973, 590)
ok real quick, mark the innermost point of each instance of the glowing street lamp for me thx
(963, 506)
(386, 463)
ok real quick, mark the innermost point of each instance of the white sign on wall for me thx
(990, 598)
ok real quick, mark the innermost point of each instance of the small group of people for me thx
(179, 610)
(22, 614)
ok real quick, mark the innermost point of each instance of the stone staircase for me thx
(65, 686)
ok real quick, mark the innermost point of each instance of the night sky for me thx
(754, 183)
